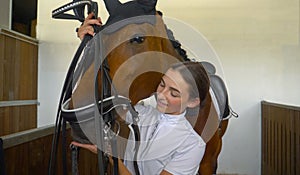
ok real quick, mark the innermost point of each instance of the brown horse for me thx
(136, 51)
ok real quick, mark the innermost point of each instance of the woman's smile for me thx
(162, 103)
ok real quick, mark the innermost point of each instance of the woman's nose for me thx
(162, 94)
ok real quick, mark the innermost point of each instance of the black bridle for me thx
(66, 93)
(102, 100)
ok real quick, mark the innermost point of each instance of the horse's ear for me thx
(112, 5)
(148, 3)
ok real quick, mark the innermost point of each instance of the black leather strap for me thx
(89, 112)
(74, 156)
(78, 7)
(66, 93)
(64, 147)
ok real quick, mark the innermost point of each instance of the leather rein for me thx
(103, 106)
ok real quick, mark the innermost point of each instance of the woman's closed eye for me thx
(175, 93)
(172, 91)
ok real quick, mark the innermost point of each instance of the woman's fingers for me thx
(92, 148)
(89, 20)
(83, 30)
(94, 22)
(87, 26)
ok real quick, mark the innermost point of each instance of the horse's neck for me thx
(207, 121)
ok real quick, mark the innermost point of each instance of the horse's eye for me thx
(137, 39)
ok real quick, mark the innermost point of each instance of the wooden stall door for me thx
(18, 82)
(280, 139)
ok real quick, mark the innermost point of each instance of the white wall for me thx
(258, 45)
(5, 13)
(58, 44)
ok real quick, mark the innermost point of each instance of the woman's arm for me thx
(90, 147)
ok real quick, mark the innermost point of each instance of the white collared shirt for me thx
(168, 142)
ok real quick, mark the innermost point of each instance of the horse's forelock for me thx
(118, 11)
(112, 5)
(148, 3)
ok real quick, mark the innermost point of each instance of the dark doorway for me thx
(24, 17)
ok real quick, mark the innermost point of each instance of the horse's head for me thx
(136, 46)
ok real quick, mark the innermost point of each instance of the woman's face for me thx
(173, 94)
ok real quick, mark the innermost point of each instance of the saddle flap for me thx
(219, 89)
(220, 92)
(210, 68)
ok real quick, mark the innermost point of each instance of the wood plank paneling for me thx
(32, 157)
(2, 62)
(18, 72)
(280, 139)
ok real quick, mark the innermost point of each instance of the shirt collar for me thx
(172, 118)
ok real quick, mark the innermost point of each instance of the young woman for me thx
(169, 144)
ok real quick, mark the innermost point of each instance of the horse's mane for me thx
(176, 44)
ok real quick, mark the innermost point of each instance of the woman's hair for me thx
(196, 76)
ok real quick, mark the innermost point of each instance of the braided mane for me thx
(176, 44)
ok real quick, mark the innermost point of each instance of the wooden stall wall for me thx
(18, 82)
(280, 139)
(28, 153)
(27, 148)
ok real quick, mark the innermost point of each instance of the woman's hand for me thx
(92, 148)
(86, 27)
